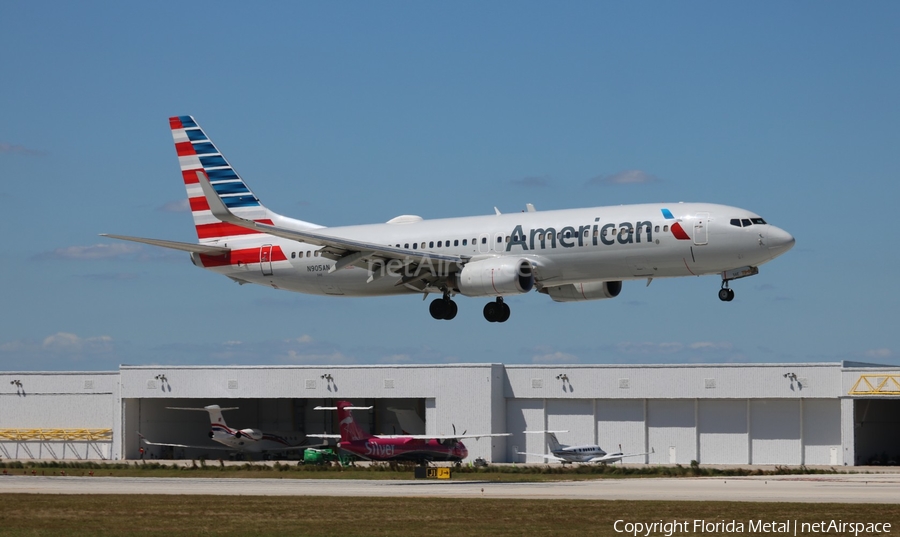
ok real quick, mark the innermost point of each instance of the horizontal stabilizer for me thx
(345, 408)
(174, 245)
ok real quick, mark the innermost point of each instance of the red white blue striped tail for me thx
(197, 154)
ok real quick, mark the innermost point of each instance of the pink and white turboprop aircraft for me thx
(421, 449)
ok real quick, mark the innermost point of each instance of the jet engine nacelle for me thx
(579, 292)
(495, 276)
(255, 434)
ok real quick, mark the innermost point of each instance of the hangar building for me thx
(804, 413)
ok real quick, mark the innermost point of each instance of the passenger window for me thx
(665, 228)
(301, 255)
(317, 253)
(483, 240)
(507, 238)
(439, 243)
(456, 242)
(308, 253)
(406, 245)
(656, 229)
(746, 222)
(293, 255)
(500, 239)
(415, 246)
(465, 241)
(540, 236)
(423, 245)
(430, 244)
(596, 233)
(585, 232)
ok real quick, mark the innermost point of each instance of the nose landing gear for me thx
(725, 293)
(496, 312)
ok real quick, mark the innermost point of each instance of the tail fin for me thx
(349, 429)
(196, 153)
(215, 415)
(553, 442)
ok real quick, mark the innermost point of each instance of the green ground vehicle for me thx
(325, 456)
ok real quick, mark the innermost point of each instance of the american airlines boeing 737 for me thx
(570, 255)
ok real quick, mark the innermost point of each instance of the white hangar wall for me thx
(714, 414)
(58, 415)
(832, 414)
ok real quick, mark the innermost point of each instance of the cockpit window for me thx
(758, 220)
(736, 222)
(746, 222)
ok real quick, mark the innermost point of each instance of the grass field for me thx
(73, 515)
(506, 473)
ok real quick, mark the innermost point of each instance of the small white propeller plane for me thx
(243, 440)
(586, 453)
(570, 255)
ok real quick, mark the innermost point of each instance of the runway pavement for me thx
(839, 488)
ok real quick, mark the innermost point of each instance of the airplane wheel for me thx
(504, 313)
(451, 310)
(438, 309)
(724, 295)
(730, 295)
(491, 312)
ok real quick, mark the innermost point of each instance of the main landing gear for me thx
(443, 308)
(496, 312)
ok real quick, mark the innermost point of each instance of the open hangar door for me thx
(876, 430)
(387, 416)
(159, 421)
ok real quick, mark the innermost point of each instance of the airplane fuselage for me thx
(254, 440)
(405, 449)
(564, 247)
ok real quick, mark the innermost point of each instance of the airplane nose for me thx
(780, 241)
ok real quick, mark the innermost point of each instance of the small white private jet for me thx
(570, 255)
(242, 440)
(586, 453)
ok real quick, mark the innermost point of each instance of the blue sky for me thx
(343, 113)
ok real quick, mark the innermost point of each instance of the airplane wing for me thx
(323, 436)
(438, 436)
(615, 457)
(149, 443)
(548, 457)
(174, 245)
(345, 252)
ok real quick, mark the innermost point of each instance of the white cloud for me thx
(294, 357)
(71, 343)
(879, 353)
(644, 348)
(7, 148)
(710, 346)
(179, 206)
(554, 358)
(396, 359)
(544, 354)
(627, 177)
(89, 253)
